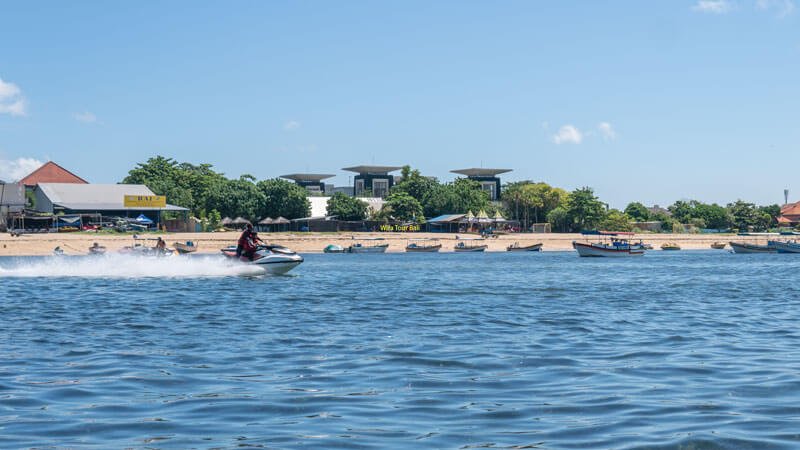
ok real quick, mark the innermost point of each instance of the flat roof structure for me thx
(373, 169)
(481, 172)
(51, 172)
(314, 177)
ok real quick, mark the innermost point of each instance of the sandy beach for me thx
(78, 243)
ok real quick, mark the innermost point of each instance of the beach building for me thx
(50, 172)
(488, 179)
(107, 200)
(790, 214)
(375, 179)
(311, 181)
(655, 209)
(12, 200)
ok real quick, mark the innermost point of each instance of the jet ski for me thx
(273, 258)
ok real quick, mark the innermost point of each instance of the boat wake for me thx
(126, 266)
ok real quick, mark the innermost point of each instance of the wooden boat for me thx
(333, 248)
(743, 247)
(670, 246)
(515, 247)
(784, 247)
(184, 248)
(423, 246)
(615, 248)
(470, 245)
(718, 245)
(367, 246)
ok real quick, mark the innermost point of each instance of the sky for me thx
(642, 101)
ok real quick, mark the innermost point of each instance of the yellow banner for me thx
(145, 201)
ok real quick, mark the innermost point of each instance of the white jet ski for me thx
(272, 258)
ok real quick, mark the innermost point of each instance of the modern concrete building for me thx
(488, 179)
(375, 179)
(311, 181)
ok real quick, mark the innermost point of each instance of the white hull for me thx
(470, 249)
(597, 250)
(273, 259)
(750, 248)
(375, 249)
(277, 267)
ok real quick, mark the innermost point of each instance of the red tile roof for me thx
(51, 172)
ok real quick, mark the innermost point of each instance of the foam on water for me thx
(127, 266)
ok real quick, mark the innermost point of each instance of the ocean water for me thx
(691, 349)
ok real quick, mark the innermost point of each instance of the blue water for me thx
(547, 350)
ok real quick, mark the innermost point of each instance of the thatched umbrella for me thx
(266, 221)
(281, 220)
(226, 221)
(240, 221)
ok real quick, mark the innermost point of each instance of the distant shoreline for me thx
(211, 243)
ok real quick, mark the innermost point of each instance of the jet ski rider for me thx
(248, 243)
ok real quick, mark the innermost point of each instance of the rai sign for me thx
(145, 201)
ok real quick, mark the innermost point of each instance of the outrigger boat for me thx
(429, 245)
(365, 247)
(470, 245)
(744, 247)
(616, 247)
(515, 247)
(273, 258)
(784, 247)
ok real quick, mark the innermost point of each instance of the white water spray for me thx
(127, 266)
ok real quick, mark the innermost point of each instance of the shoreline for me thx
(210, 243)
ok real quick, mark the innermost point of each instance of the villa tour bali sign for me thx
(145, 201)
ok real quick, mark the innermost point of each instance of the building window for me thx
(490, 186)
(359, 187)
(380, 188)
(314, 189)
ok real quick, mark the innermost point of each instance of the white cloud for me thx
(11, 100)
(85, 117)
(568, 134)
(712, 6)
(17, 169)
(607, 131)
(784, 7)
(291, 125)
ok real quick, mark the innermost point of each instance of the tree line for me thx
(210, 195)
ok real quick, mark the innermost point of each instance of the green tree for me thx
(681, 211)
(346, 208)
(637, 212)
(234, 198)
(558, 218)
(770, 211)
(713, 216)
(414, 184)
(667, 222)
(283, 198)
(460, 196)
(744, 214)
(616, 220)
(404, 207)
(584, 210)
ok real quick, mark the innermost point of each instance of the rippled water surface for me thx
(678, 350)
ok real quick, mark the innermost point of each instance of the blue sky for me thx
(643, 101)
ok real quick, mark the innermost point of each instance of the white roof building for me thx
(91, 197)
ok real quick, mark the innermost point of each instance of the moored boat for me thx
(333, 248)
(670, 246)
(423, 246)
(368, 246)
(744, 247)
(185, 247)
(614, 248)
(470, 245)
(784, 247)
(97, 249)
(718, 245)
(515, 247)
